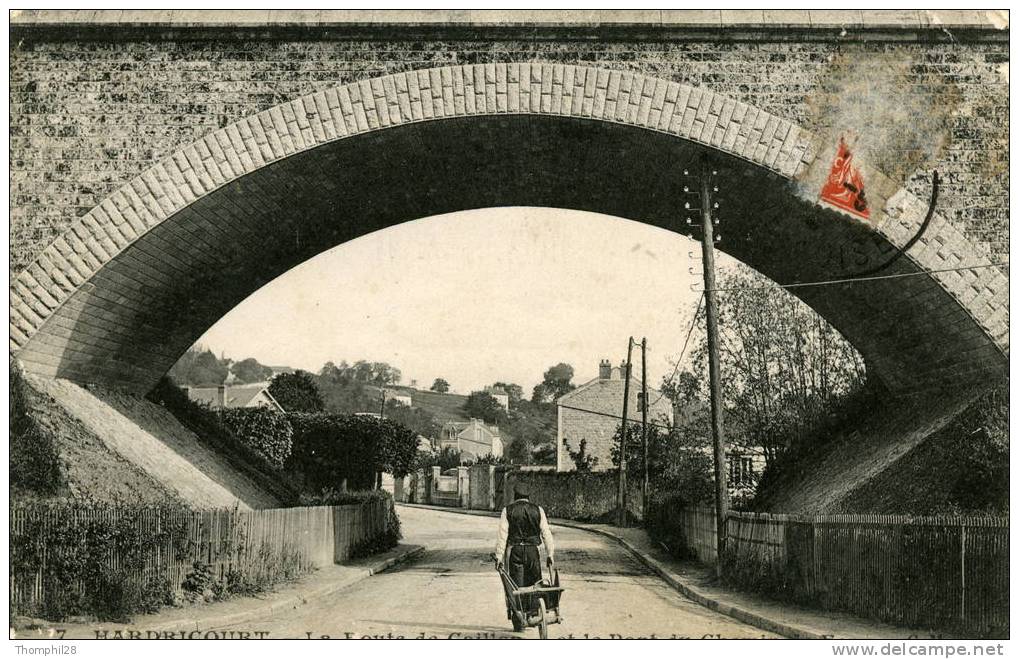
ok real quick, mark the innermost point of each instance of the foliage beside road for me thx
(210, 430)
(264, 430)
(332, 449)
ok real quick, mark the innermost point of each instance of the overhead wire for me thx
(851, 280)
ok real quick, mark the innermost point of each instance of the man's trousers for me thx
(524, 565)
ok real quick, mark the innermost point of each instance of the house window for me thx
(640, 401)
(741, 470)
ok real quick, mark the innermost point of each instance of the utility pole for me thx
(382, 415)
(717, 431)
(643, 425)
(621, 498)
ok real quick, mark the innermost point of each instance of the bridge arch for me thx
(122, 293)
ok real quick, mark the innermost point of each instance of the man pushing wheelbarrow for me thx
(523, 527)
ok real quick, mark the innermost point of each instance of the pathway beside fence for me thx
(946, 573)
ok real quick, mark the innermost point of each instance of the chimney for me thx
(221, 396)
(604, 370)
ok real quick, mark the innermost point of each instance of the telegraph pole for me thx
(643, 425)
(382, 415)
(717, 431)
(621, 498)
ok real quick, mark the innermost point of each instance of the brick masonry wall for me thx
(605, 396)
(111, 328)
(86, 117)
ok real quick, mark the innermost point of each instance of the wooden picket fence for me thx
(251, 542)
(948, 573)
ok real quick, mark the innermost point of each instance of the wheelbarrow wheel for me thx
(542, 622)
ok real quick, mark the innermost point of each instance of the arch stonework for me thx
(104, 301)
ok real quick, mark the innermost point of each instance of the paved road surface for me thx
(453, 589)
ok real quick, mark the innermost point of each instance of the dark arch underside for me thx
(133, 319)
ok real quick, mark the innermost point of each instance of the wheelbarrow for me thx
(533, 606)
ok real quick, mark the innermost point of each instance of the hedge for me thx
(581, 496)
(266, 431)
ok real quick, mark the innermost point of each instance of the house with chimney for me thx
(594, 410)
(230, 396)
(474, 439)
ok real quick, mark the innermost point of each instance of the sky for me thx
(477, 297)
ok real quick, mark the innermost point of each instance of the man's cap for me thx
(521, 490)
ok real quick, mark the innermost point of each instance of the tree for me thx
(482, 405)
(518, 451)
(379, 374)
(199, 367)
(265, 430)
(679, 461)
(582, 460)
(296, 392)
(341, 392)
(544, 454)
(555, 383)
(515, 391)
(329, 449)
(785, 369)
(531, 427)
(683, 389)
(249, 370)
(440, 385)
(448, 458)
(420, 421)
(398, 448)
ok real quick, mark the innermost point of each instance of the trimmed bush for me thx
(331, 448)
(265, 431)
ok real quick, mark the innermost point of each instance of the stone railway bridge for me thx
(166, 165)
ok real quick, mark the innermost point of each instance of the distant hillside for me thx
(448, 407)
(444, 407)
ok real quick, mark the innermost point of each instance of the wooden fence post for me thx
(962, 560)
